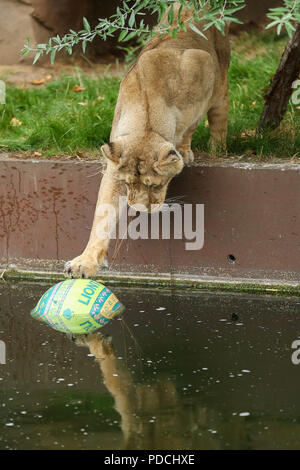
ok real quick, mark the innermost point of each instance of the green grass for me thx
(54, 121)
(254, 60)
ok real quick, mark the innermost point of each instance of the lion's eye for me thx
(155, 186)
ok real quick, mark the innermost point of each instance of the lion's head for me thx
(146, 167)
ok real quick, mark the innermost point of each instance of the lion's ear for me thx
(169, 162)
(112, 151)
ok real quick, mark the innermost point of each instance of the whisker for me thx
(95, 174)
(170, 204)
(174, 198)
(100, 171)
(178, 201)
(124, 339)
(117, 250)
(132, 336)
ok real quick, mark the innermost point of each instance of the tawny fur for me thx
(162, 99)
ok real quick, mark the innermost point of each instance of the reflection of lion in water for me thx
(153, 416)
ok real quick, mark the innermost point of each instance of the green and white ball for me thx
(77, 306)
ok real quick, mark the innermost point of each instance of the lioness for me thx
(163, 97)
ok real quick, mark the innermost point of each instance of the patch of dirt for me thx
(79, 157)
(24, 75)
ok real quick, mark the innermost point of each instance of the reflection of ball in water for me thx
(77, 306)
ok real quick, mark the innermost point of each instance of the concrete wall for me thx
(252, 221)
(15, 25)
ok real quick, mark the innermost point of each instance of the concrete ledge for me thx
(252, 212)
(142, 280)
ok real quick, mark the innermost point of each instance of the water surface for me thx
(185, 370)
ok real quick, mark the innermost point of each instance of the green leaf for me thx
(196, 30)
(37, 56)
(111, 30)
(179, 14)
(86, 25)
(233, 20)
(141, 6)
(270, 25)
(183, 26)
(92, 37)
(161, 8)
(52, 57)
(122, 35)
(130, 36)
(132, 19)
(171, 15)
(232, 10)
(174, 33)
(122, 21)
(290, 29)
(220, 25)
(277, 9)
(25, 52)
(279, 28)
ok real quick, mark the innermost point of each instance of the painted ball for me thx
(77, 306)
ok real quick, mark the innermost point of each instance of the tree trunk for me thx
(280, 91)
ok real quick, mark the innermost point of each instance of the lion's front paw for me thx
(84, 266)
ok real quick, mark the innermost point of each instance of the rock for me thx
(16, 24)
